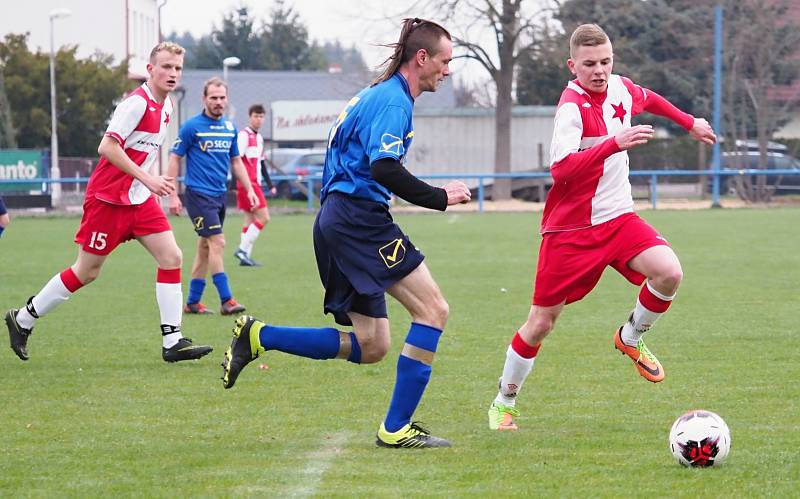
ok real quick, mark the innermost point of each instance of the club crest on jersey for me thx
(228, 125)
(393, 253)
(391, 144)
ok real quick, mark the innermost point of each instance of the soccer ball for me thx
(700, 439)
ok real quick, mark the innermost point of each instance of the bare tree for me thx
(762, 70)
(496, 34)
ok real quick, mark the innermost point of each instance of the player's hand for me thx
(175, 205)
(634, 136)
(273, 191)
(160, 185)
(457, 192)
(702, 132)
(253, 198)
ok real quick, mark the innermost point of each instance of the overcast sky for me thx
(352, 22)
(363, 23)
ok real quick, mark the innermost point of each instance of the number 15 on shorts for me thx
(98, 241)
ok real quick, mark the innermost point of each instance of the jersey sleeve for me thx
(567, 132)
(184, 141)
(646, 100)
(235, 144)
(126, 117)
(567, 160)
(242, 140)
(386, 134)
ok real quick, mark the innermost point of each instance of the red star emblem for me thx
(619, 112)
(166, 118)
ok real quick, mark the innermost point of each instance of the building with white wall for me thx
(122, 28)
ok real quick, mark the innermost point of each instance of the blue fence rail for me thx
(311, 180)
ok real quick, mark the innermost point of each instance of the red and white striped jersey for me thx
(251, 147)
(140, 125)
(590, 172)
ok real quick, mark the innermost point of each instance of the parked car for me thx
(295, 162)
(747, 157)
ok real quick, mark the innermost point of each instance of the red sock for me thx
(522, 348)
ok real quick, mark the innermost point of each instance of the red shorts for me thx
(241, 197)
(105, 226)
(572, 262)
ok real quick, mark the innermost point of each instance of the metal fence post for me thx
(310, 195)
(480, 194)
(654, 190)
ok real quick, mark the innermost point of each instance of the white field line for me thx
(318, 462)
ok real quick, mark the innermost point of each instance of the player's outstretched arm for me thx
(110, 149)
(702, 132)
(391, 174)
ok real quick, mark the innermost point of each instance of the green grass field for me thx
(97, 413)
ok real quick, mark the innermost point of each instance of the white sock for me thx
(249, 238)
(241, 238)
(515, 370)
(642, 318)
(53, 294)
(170, 302)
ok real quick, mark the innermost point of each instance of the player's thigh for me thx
(654, 260)
(421, 296)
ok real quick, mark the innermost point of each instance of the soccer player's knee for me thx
(373, 349)
(89, 275)
(672, 277)
(440, 310)
(173, 260)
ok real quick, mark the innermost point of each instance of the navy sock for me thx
(1, 230)
(412, 377)
(196, 288)
(221, 282)
(310, 342)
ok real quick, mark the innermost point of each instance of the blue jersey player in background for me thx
(361, 253)
(208, 141)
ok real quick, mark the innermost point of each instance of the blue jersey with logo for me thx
(377, 123)
(208, 145)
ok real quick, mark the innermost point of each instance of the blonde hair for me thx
(587, 35)
(215, 81)
(170, 47)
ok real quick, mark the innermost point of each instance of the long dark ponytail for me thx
(416, 34)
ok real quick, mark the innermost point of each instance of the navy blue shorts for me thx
(361, 253)
(3, 209)
(207, 213)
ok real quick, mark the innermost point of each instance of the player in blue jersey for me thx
(209, 143)
(4, 218)
(361, 253)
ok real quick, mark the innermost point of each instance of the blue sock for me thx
(355, 350)
(1, 230)
(221, 282)
(412, 377)
(196, 288)
(310, 342)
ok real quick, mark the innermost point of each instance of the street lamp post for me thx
(55, 173)
(228, 62)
